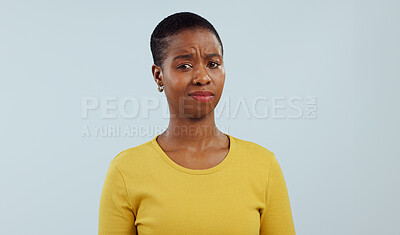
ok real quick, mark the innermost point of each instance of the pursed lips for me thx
(202, 96)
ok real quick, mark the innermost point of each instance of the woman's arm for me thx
(115, 213)
(276, 217)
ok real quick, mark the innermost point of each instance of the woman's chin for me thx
(197, 113)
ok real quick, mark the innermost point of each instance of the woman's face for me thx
(193, 63)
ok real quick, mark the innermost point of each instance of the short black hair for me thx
(172, 25)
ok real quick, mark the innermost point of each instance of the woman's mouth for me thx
(202, 96)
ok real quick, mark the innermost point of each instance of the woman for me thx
(192, 178)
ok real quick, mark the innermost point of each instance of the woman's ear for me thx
(157, 74)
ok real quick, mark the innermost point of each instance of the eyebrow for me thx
(185, 56)
(213, 55)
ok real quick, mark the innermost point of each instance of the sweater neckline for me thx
(178, 167)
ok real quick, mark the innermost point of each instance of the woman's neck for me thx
(189, 131)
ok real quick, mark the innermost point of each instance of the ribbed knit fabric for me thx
(147, 193)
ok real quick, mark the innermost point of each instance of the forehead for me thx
(191, 40)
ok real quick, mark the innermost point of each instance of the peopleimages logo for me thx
(261, 107)
(107, 110)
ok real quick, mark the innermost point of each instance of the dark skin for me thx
(193, 62)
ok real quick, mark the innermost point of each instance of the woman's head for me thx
(188, 63)
(174, 24)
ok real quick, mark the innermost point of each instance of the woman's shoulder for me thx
(250, 147)
(134, 154)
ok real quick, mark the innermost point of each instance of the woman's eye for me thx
(184, 66)
(213, 64)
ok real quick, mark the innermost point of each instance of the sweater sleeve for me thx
(116, 216)
(276, 217)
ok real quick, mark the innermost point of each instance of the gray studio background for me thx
(340, 166)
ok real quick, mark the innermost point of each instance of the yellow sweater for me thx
(146, 193)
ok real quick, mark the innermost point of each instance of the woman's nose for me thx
(201, 77)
